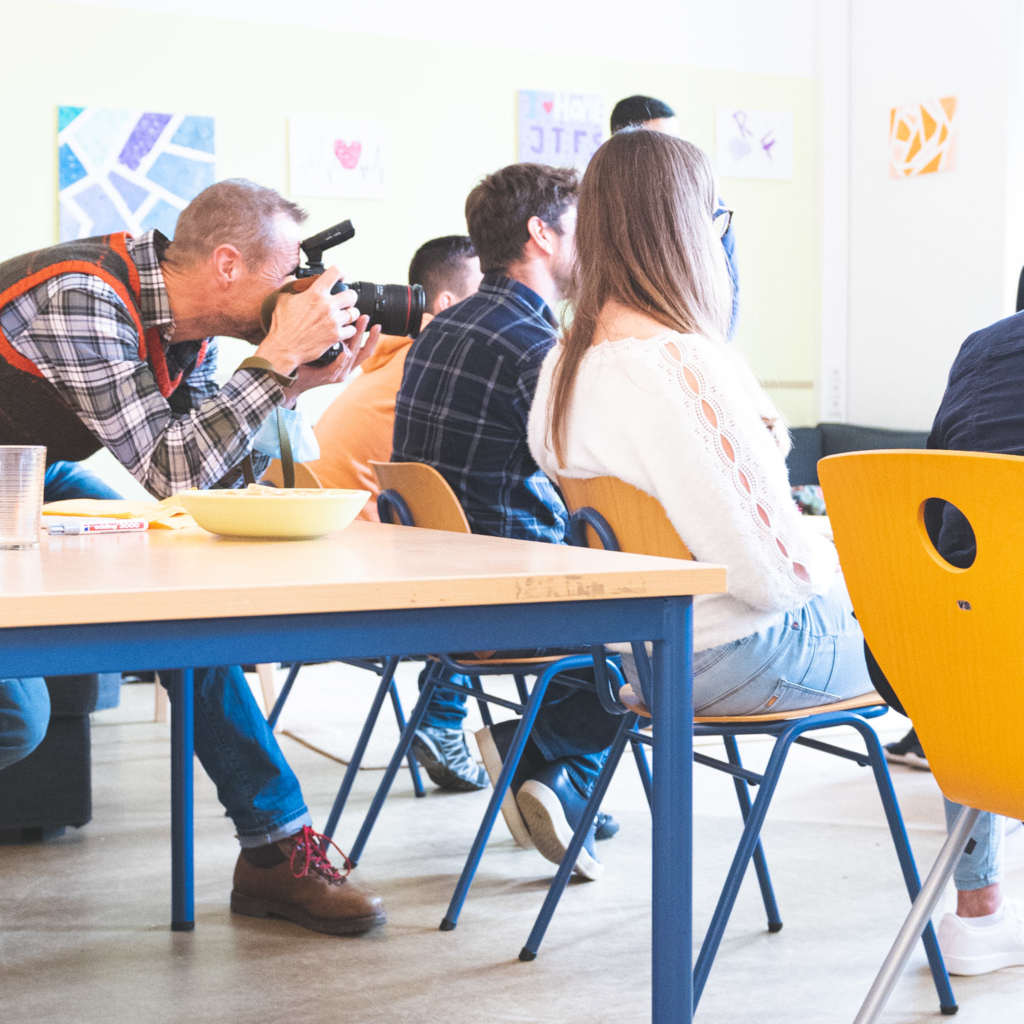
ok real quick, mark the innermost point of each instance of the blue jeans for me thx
(984, 864)
(571, 726)
(232, 740)
(24, 716)
(812, 656)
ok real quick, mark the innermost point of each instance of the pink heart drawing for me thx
(347, 153)
(548, 106)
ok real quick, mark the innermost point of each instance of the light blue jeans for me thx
(984, 864)
(812, 656)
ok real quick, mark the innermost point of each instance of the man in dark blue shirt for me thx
(658, 116)
(981, 411)
(469, 381)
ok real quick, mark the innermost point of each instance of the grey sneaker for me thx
(444, 755)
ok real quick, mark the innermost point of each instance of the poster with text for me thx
(340, 158)
(563, 129)
(754, 143)
(129, 170)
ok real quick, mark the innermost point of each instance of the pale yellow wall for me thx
(450, 112)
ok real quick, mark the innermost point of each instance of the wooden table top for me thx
(191, 574)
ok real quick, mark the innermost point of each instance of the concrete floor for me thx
(84, 938)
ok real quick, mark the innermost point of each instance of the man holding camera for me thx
(108, 342)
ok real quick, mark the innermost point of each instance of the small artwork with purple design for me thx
(754, 143)
(129, 170)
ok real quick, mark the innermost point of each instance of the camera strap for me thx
(287, 459)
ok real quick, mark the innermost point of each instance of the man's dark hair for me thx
(440, 265)
(500, 207)
(637, 110)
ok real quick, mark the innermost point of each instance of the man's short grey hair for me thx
(232, 212)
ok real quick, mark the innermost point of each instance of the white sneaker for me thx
(968, 949)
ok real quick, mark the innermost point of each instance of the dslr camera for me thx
(398, 308)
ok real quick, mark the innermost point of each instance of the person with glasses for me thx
(647, 112)
(644, 388)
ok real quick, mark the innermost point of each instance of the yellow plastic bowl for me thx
(296, 514)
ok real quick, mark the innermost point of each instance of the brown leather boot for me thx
(305, 888)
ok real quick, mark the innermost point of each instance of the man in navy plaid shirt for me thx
(469, 381)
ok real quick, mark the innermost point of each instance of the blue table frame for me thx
(181, 645)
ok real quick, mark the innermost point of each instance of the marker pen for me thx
(73, 527)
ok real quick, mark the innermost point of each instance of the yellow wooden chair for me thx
(304, 476)
(948, 639)
(607, 512)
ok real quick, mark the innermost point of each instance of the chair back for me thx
(949, 640)
(431, 501)
(638, 520)
(304, 476)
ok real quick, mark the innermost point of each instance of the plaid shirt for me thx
(463, 407)
(81, 337)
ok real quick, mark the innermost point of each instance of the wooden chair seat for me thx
(865, 700)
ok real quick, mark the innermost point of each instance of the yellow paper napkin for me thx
(161, 515)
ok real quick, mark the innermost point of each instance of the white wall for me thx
(774, 38)
(930, 258)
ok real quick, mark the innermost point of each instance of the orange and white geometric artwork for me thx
(922, 138)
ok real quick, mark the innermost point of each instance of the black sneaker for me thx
(907, 751)
(444, 755)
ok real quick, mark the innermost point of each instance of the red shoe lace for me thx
(315, 847)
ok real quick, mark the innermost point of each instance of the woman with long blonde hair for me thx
(644, 388)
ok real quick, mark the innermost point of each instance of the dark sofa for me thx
(41, 795)
(813, 443)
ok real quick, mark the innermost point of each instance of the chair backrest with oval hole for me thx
(950, 640)
(431, 501)
(637, 519)
(304, 476)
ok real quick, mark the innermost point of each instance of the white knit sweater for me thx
(683, 418)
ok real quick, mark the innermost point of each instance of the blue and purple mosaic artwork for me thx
(129, 170)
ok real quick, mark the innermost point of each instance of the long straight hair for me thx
(645, 238)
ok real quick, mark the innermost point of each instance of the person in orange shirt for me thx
(357, 426)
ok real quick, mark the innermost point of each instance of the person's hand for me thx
(351, 356)
(306, 324)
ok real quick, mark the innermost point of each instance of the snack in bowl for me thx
(271, 512)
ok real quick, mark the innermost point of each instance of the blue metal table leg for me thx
(764, 879)
(357, 755)
(410, 757)
(485, 711)
(947, 1001)
(672, 896)
(180, 687)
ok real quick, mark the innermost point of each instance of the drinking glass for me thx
(22, 472)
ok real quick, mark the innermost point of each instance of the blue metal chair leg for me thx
(764, 880)
(410, 758)
(275, 713)
(643, 768)
(947, 1001)
(357, 755)
(524, 693)
(741, 859)
(182, 697)
(519, 739)
(485, 711)
(404, 743)
(561, 879)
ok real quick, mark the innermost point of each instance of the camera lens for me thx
(398, 308)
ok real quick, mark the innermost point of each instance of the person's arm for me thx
(84, 342)
(729, 246)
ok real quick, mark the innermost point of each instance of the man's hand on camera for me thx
(308, 323)
(348, 359)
